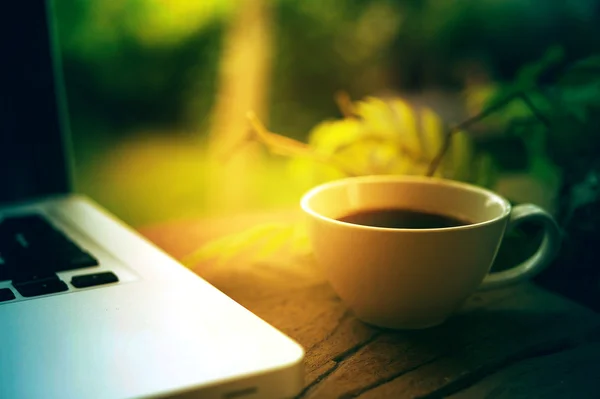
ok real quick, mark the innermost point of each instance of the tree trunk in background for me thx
(244, 78)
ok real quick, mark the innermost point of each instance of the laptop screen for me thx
(32, 155)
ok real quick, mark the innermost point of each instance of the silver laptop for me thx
(88, 308)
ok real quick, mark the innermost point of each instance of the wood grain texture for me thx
(479, 351)
(570, 374)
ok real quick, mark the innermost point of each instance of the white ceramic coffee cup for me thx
(416, 278)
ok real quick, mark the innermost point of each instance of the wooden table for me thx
(521, 342)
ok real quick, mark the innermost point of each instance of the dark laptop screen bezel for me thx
(34, 156)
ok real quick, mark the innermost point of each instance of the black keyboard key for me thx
(90, 280)
(77, 261)
(6, 295)
(41, 287)
(31, 242)
(32, 276)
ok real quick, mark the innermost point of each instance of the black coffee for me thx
(397, 218)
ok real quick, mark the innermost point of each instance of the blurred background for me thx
(158, 90)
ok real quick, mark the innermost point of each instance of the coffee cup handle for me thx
(539, 260)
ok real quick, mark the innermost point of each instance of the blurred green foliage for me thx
(136, 64)
(143, 73)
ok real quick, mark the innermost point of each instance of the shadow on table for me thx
(492, 346)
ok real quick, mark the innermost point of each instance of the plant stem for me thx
(435, 163)
(289, 147)
(534, 110)
(344, 103)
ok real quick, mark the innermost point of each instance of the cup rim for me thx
(403, 178)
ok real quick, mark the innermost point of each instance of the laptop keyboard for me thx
(6, 295)
(32, 251)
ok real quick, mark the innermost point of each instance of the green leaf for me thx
(484, 170)
(583, 72)
(250, 240)
(579, 100)
(274, 242)
(327, 137)
(433, 133)
(403, 117)
(461, 154)
(300, 240)
(529, 74)
(527, 78)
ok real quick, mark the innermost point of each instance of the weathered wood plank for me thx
(528, 323)
(314, 376)
(570, 374)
